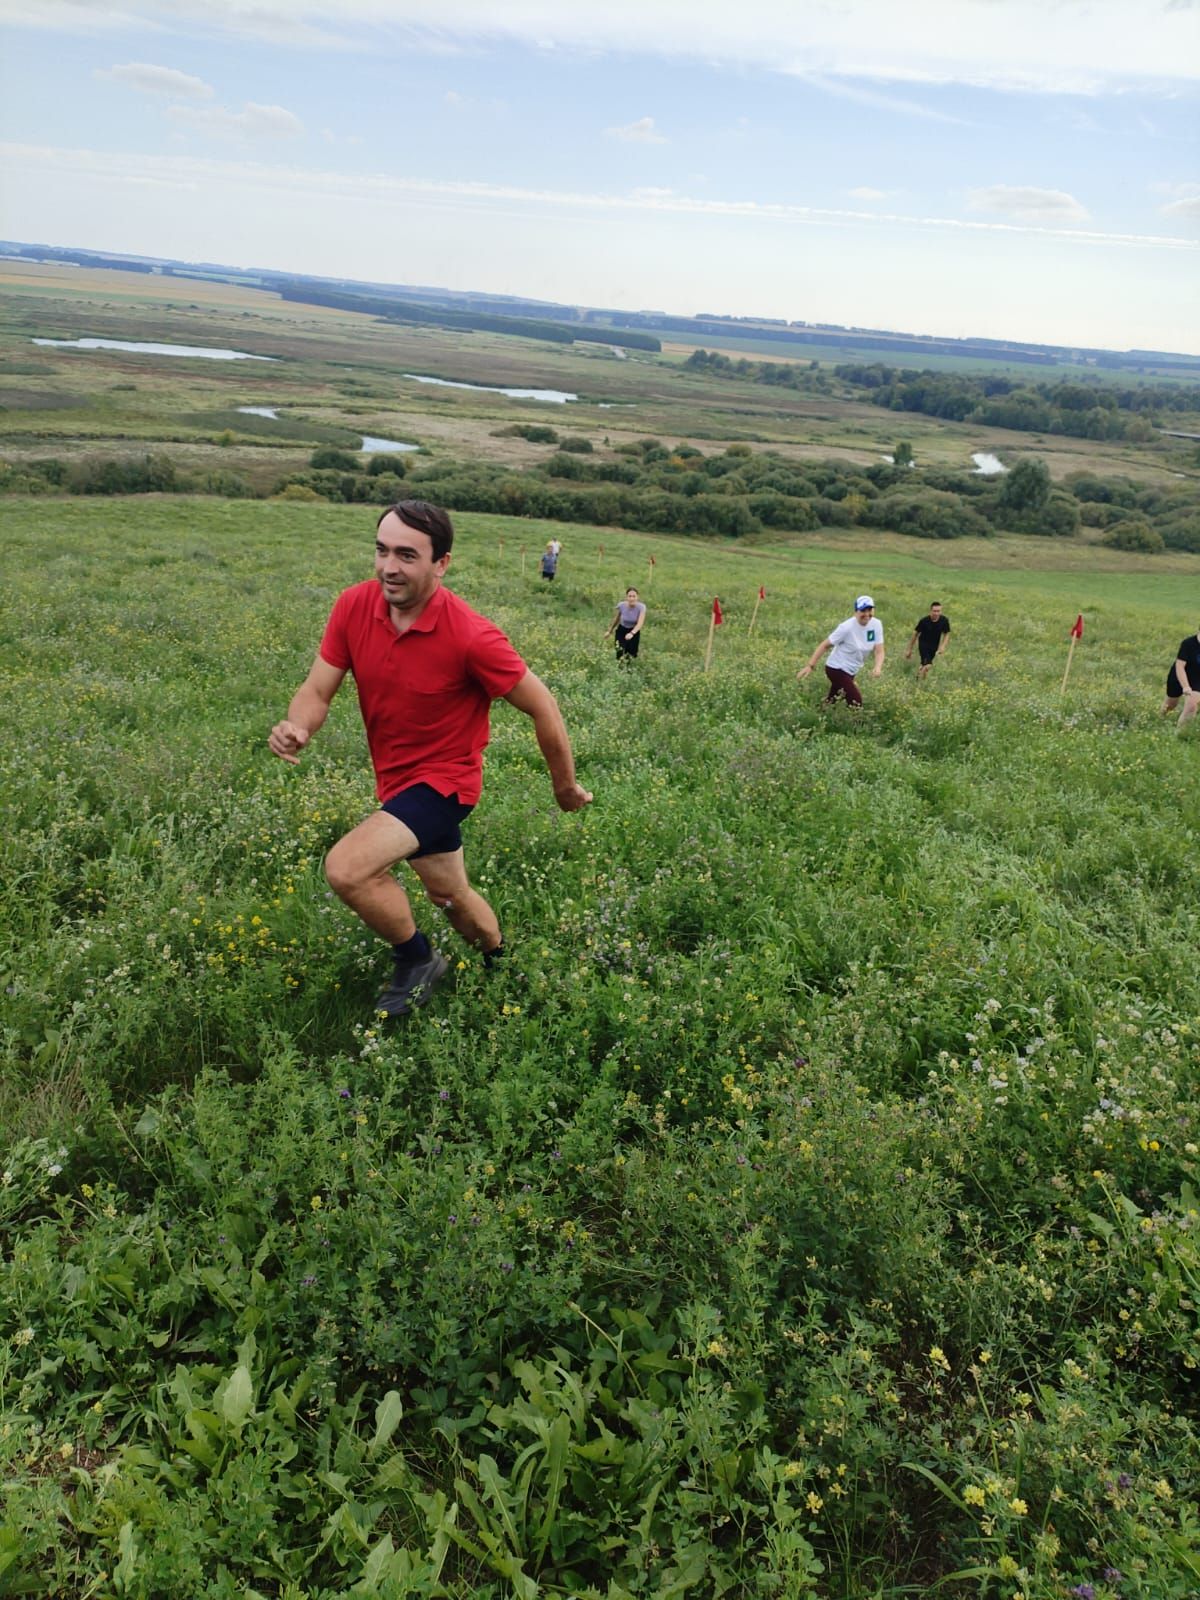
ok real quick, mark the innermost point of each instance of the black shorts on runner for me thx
(927, 660)
(1175, 690)
(433, 817)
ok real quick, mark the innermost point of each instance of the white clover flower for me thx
(23, 1336)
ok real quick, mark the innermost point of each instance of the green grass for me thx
(807, 1207)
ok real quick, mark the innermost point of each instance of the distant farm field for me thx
(807, 1207)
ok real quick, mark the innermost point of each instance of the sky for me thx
(1020, 169)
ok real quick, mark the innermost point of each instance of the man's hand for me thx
(573, 799)
(286, 740)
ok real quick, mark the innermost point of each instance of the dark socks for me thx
(412, 951)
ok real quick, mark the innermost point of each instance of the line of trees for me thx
(654, 487)
(1079, 410)
(412, 311)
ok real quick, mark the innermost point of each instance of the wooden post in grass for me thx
(1076, 633)
(650, 572)
(600, 557)
(714, 622)
(762, 595)
(522, 560)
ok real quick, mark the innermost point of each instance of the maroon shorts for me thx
(842, 683)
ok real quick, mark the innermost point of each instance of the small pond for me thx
(195, 351)
(370, 446)
(556, 397)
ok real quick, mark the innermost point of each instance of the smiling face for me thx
(405, 565)
(863, 615)
(631, 597)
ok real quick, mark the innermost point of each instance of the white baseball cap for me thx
(863, 602)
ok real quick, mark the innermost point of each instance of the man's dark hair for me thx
(933, 603)
(427, 519)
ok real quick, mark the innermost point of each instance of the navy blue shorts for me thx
(433, 817)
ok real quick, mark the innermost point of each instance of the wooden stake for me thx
(1062, 688)
(754, 613)
(712, 628)
(522, 560)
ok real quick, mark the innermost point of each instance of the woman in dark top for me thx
(1183, 681)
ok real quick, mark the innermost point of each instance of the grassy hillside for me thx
(807, 1207)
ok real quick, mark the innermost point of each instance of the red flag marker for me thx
(714, 622)
(1076, 633)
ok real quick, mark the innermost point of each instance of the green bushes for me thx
(534, 432)
(331, 460)
(928, 514)
(1134, 533)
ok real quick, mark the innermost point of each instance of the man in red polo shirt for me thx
(427, 669)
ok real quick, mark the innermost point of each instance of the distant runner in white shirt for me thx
(850, 643)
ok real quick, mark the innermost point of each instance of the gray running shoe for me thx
(413, 986)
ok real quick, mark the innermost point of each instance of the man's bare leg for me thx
(359, 870)
(445, 881)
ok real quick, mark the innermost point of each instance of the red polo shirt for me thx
(424, 694)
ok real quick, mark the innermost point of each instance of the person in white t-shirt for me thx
(850, 643)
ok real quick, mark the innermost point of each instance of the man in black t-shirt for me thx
(930, 636)
(1183, 681)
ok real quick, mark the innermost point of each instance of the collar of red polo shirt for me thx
(424, 623)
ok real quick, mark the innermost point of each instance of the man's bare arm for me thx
(533, 698)
(308, 710)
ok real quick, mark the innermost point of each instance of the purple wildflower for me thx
(1124, 1481)
(443, 1094)
(1084, 1591)
(1113, 1575)
(343, 1094)
(308, 1281)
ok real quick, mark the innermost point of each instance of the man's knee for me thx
(345, 871)
(338, 871)
(445, 893)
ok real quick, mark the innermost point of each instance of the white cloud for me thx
(642, 131)
(255, 122)
(1188, 209)
(158, 80)
(1027, 204)
(1040, 46)
(871, 97)
(867, 194)
(268, 183)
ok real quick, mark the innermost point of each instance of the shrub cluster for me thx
(1170, 513)
(148, 474)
